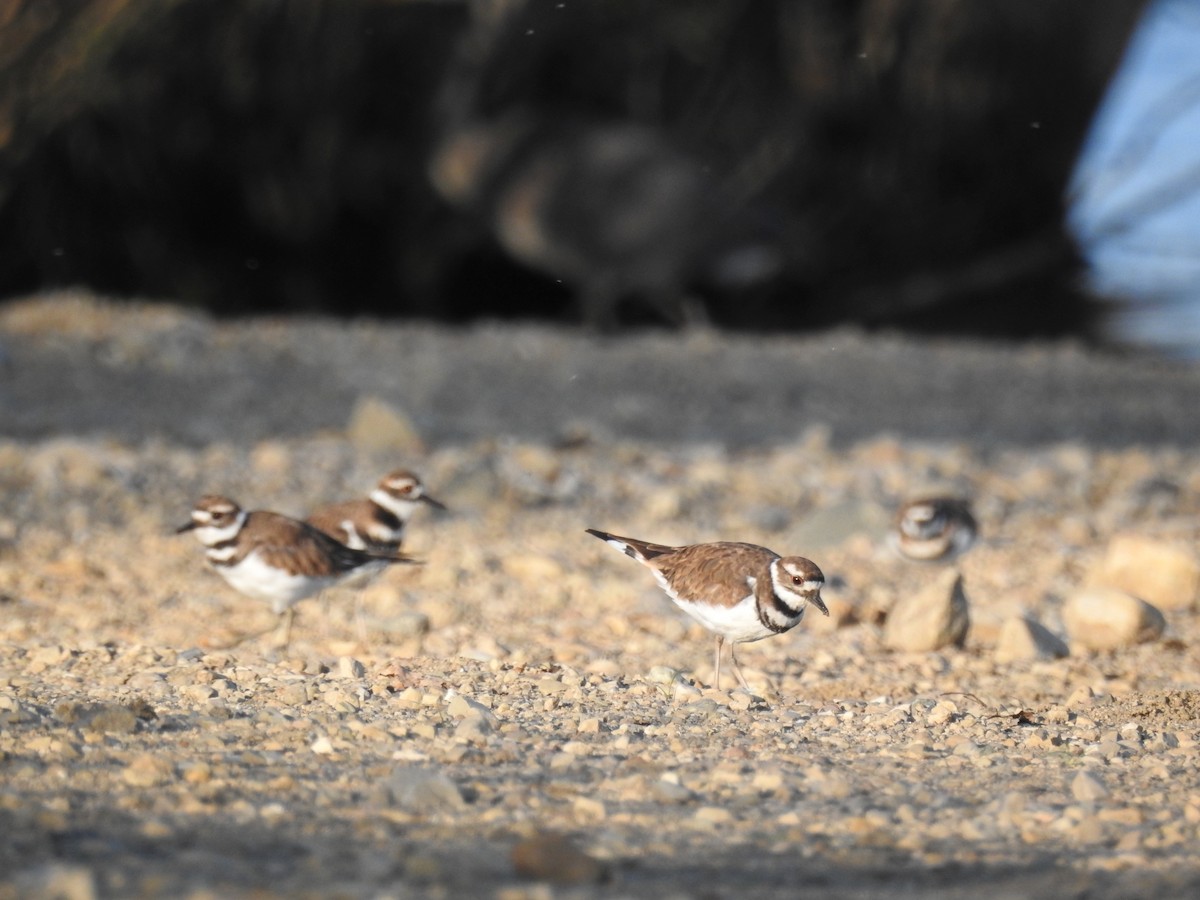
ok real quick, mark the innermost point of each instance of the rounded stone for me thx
(929, 619)
(1106, 619)
(1162, 573)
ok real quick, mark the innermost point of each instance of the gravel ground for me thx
(443, 730)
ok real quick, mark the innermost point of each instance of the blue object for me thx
(1135, 196)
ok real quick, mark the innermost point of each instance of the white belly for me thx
(736, 623)
(254, 578)
(739, 623)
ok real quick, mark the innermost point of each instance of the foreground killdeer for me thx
(375, 522)
(741, 592)
(273, 557)
(934, 528)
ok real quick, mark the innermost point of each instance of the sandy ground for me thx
(529, 681)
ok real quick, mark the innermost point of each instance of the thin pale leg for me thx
(285, 627)
(717, 662)
(360, 618)
(737, 670)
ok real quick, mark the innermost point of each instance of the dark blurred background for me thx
(755, 164)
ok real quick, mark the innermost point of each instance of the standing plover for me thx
(933, 528)
(375, 522)
(272, 557)
(740, 592)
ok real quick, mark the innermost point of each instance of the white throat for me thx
(401, 509)
(211, 535)
(793, 595)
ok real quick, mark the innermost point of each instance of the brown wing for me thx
(715, 573)
(329, 518)
(295, 545)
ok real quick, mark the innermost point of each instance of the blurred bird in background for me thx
(610, 208)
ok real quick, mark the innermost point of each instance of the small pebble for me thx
(149, 770)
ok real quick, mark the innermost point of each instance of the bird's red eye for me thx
(797, 579)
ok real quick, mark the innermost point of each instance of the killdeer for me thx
(272, 557)
(375, 522)
(934, 528)
(740, 592)
(612, 208)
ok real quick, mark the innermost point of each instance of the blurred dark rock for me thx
(554, 858)
(760, 164)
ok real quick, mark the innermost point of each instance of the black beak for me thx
(188, 527)
(819, 603)
(436, 504)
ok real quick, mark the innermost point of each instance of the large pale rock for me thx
(932, 618)
(1023, 638)
(1162, 573)
(424, 792)
(1101, 618)
(375, 425)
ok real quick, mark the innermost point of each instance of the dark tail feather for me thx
(396, 558)
(631, 547)
(354, 558)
